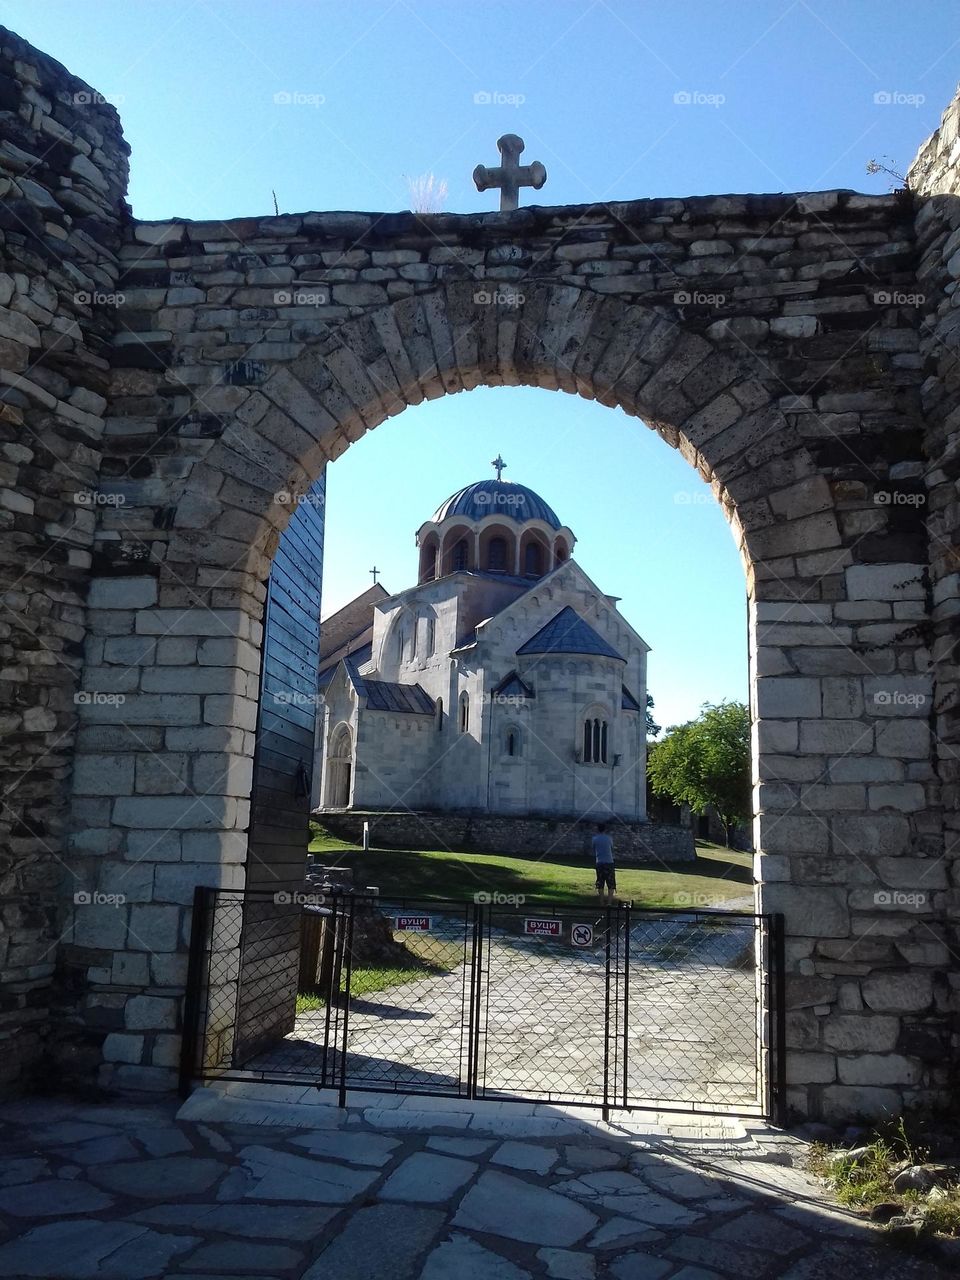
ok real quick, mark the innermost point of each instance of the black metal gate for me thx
(615, 1007)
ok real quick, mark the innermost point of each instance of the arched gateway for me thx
(187, 402)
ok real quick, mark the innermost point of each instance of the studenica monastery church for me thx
(504, 682)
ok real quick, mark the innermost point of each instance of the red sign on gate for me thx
(414, 924)
(543, 928)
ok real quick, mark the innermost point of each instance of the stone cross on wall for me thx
(510, 175)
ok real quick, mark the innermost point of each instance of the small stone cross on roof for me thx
(510, 175)
(375, 571)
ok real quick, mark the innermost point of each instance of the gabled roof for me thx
(349, 622)
(357, 656)
(627, 701)
(568, 633)
(511, 686)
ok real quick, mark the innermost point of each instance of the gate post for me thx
(606, 1019)
(347, 959)
(777, 1020)
(191, 999)
(473, 1012)
(626, 1002)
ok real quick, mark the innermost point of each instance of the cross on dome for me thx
(498, 465)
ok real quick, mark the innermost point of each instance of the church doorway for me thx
(340, 769)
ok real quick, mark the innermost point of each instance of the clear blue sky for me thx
(383, 90)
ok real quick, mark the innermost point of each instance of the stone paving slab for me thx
(121, 1192)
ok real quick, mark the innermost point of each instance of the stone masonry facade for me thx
(634, 842)
(171, 390)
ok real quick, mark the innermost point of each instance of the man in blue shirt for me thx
(603, 856)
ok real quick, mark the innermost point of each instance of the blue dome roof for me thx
(497, 497)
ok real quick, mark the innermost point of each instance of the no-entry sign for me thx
(414, 924)
(543, 928)
(581, 935)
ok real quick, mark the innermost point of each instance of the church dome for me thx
(497, 497)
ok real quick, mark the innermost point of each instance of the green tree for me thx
(706, 762)
(652, 727)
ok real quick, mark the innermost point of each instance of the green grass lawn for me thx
(717, 876)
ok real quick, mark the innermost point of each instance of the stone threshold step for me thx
(296, 1106)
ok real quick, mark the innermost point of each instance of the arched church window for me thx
(533, 560)
(497, 555)
(464, 712)
(431, 636)
(460, 555)
(595, 736)
(439, 716)
(512, 742)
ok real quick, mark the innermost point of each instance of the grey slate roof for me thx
(388, 695)
(512, 686)
(568, 633)
(627, 701)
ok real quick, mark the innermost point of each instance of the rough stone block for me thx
(788, 698)
(151, 1013)
(122, 593)
(898, 992)
(810, 912)
(120, 1047)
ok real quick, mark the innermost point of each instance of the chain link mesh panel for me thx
(618, 1007)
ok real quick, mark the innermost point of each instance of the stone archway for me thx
(818, 836)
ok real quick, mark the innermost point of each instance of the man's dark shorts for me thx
(606, 876)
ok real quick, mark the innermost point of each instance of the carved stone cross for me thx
(510, 175)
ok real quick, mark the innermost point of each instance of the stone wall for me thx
(935, 177)
(936, 167)
(63, 173)
(634, 843)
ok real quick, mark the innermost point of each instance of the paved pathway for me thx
(397, 1189)
(691, 1033)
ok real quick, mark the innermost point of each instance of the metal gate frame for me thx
(612, 1092)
